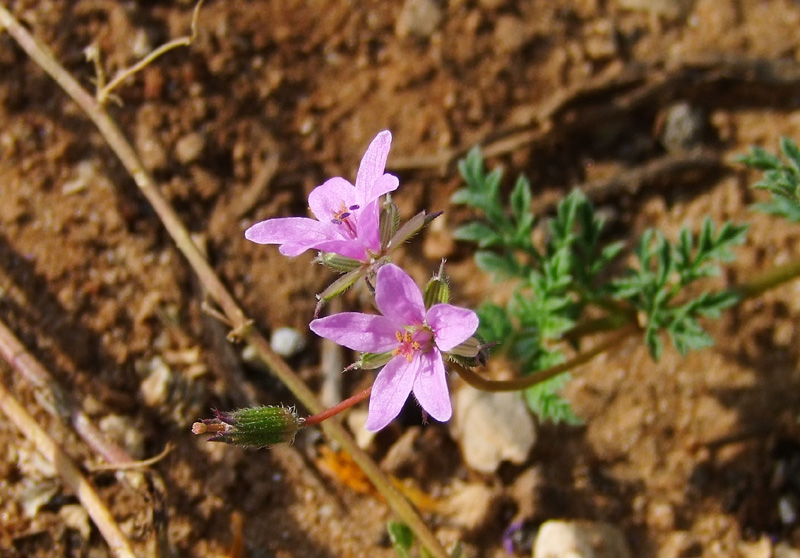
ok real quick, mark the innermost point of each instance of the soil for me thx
(684, 455)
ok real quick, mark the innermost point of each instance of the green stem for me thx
(216, 289)
(769, 279)
(525, 382)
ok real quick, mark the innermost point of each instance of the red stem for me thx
(336, 409)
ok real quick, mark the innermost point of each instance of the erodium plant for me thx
(573, 284)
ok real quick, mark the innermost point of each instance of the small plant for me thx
(781, 180)
(568, 283)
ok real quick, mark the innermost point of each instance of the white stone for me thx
(580, 539)
(492, 428)
(287, 341)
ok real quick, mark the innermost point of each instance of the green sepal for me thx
(336, 262)
(437, 291)
(389, 221)
(371, 361)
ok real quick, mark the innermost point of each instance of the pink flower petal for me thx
(368, 226)
(347, 248)
(398, 297)
(430, 386)
(357, 331)
(390, 391)
(451, 325)
(330, 197)
(299, 232)
(373, 163)
(383, 185)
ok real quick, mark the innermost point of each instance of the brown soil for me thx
(680, 454)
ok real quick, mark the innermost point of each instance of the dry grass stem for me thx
(72, 476)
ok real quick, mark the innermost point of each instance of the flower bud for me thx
(389, 220)
(336, 262)
(371, 361)
(437, 290)
(410, 228)
(255, 427)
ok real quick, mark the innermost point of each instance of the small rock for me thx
(580, 539)
(660, 516)
(155, 388)
(510, 34)
(783, 550)
(75, 517)
(682, 127)
(148, 143)
(418, 18)
(37, 494)
(471, 505)
(190, 147)
(600, 41)
(492, 428)
(525, 493)
(762, 548)
(679, 544)
(357, 420)
(123, 431)
(287, 341)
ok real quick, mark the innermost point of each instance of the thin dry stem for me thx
(104, 90)
(56, 401)
(72, 476)
(216, 289)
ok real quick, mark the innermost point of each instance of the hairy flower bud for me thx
(334, 261)
(437, 291)
(255, 427)
(389, 220)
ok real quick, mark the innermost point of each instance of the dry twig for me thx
(66, 467)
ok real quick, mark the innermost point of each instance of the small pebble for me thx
(190, 147)
(418, 18)
(682, 127)
(580, 539)
(287, 342)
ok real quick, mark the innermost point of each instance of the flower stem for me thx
(769, 279)
(517, 384)
(338, 408)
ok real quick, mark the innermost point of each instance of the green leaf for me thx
(401, 537)
(520, 201)
(544, 400)
(480, 233)
(502, 267)
(495, 324)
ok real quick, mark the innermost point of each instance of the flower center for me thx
(342, 217)
(413, 339)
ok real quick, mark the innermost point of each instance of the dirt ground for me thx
(696, 456)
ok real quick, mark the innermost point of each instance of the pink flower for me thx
(347, 216)
(416, 339)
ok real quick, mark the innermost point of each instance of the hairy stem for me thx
(242, 326)
(336, 409)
